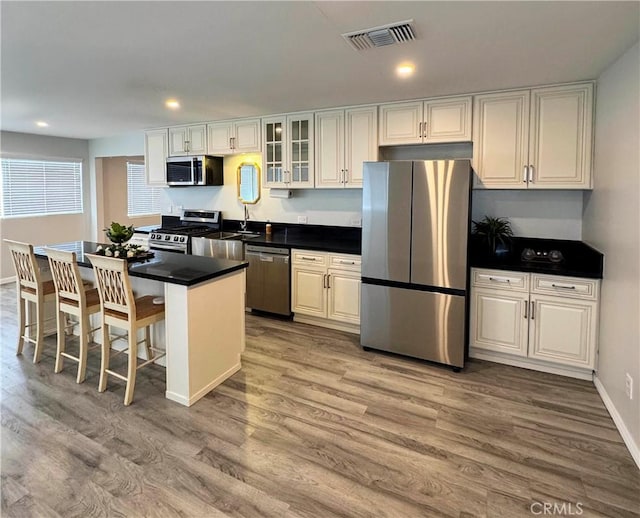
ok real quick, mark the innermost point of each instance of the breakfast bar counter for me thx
(204, 328)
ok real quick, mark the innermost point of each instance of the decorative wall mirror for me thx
(249, 182)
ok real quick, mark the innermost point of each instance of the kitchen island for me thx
(204, 328)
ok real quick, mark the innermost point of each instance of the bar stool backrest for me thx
(114, 287)
(66, 275)
(25, 264)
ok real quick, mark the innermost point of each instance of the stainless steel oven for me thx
(193, 223)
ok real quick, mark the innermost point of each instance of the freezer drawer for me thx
(421, 324)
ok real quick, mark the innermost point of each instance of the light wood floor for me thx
(311, 426)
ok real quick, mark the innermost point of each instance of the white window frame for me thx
(44, 196)
(137, 187)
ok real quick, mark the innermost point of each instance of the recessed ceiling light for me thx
(172, 104)
(405, 70)
(41, 124)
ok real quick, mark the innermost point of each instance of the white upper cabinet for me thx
(534, 139)
(288, 155)
(344, 140)
(188, 140)
(426, 122)
(230, 137)
(155, 156)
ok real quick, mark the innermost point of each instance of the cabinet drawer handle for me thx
(346, 262)
(526, 307)
(563, 287)
(526, 174)
(500, 279)
(304, 258)
(533, 310)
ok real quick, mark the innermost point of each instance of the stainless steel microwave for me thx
(194, 170)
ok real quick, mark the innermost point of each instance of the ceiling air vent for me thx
(390, 34)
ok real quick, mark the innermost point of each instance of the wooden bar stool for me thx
(30, 288)
(73, 297)
(120, 309)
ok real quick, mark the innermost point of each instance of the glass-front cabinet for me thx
(288, 151)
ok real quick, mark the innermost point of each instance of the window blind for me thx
(37, 187)
(142, 200)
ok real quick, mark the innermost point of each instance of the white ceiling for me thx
(94, 69)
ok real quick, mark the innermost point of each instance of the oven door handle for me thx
(167, 246)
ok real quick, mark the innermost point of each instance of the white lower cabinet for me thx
(326, 289)
(542, 322)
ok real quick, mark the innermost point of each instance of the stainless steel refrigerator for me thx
(415, 223)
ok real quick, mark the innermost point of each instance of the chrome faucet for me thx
(243, 224)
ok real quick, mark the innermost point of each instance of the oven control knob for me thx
(183, 239)
(167, 238)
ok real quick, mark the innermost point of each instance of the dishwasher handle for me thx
(256, 249)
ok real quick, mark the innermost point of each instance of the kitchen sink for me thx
(236, 235)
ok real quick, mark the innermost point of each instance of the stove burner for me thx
(545, 256)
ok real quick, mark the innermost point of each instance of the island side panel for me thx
(205, 335)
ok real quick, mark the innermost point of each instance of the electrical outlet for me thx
(628, 385)
(302, 219)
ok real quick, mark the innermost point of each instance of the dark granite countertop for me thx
(344, 240)
(580, 259)
(186, 270)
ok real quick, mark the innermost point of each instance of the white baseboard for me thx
(188, 401)
(527, 363)
(617, 419)
(7, 280)
(323, 322)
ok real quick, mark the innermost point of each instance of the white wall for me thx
(129, 144)
(50, 229)
(611, 220)
(114, 195)
(321, 206)
(544, 214)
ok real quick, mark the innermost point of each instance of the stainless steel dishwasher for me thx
(268, 279)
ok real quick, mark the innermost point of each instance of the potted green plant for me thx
(118, 233)
(495, 232)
